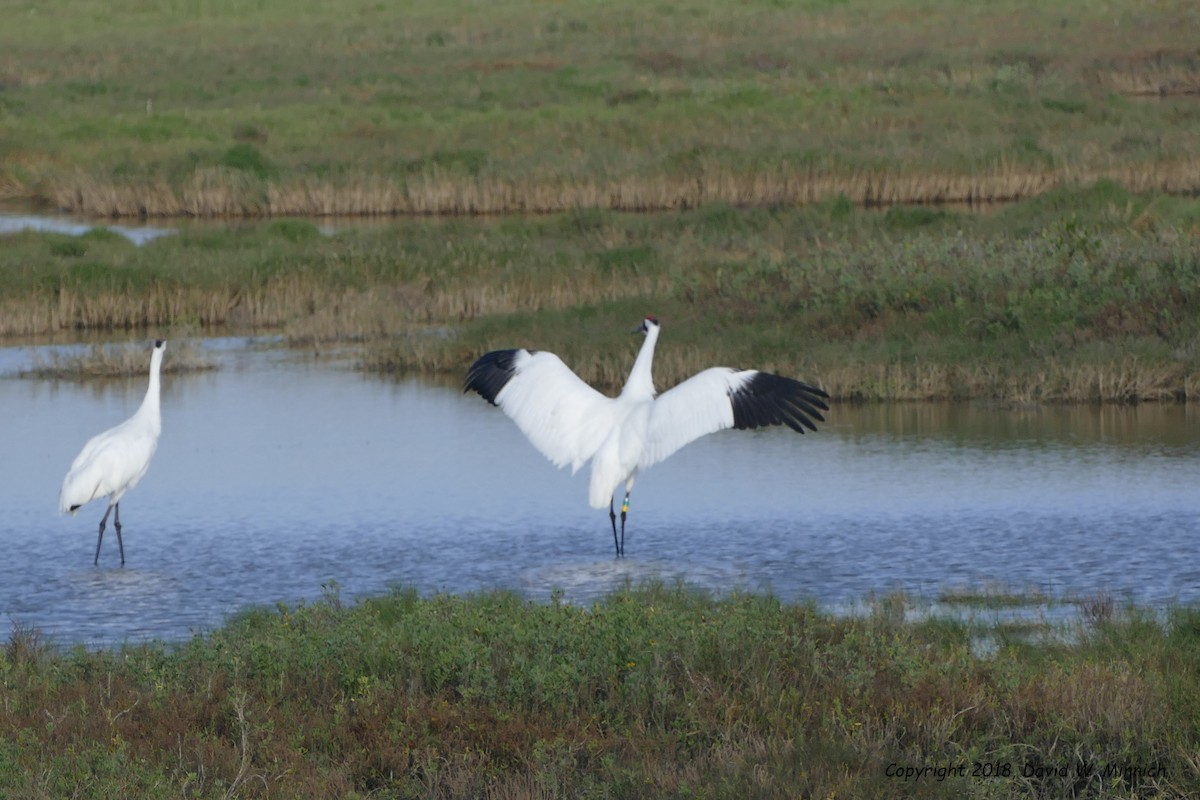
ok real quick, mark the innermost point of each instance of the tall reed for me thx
(1081, 294)
(230, 194)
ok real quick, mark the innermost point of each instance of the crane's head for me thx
(648, 323)
(156, 355)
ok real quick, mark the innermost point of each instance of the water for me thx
(138, 234)
(149, 230)
(276, 475)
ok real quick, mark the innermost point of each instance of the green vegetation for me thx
(1077, 295)
(651, 692)
(216, 108)
(993, 597)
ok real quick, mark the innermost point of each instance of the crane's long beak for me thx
(639, 328)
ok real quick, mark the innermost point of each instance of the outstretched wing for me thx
(564, 418)
(721, 398)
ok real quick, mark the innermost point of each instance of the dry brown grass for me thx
(441, 351)
(117, 361)
(1101, 699)
(1126, 380)
(309, 310)
(1121, 380)
(298, 302)
(417, 314)
(157, 307)
(1155, 72)
(222, 192)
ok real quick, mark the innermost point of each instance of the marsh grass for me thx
(227, 193)
(994, 596)
(652, 690)
(1082, 295)
(352, 107)
(116, 361)
(1032, 305)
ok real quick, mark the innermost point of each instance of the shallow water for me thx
(11, 222)
(147, 230)
(276, 475)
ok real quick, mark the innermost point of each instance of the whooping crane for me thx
(113, 462)
(570, 422)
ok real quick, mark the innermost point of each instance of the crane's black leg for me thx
(100, 538)
(117, 525)
(624, 511)
(612, 517)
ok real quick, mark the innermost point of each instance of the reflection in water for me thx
(274, 477)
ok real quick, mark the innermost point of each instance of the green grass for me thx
(353, 106)
(1079, 295)
(652, 691)
(993, 597)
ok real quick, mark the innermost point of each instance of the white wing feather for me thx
(111, 462)
(564, 418)
(697, 407)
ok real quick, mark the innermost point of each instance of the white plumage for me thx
(113, 462)
(572, 423)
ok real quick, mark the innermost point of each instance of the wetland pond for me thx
(279, 474)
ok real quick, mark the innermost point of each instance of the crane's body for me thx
(113, 462)
(572, 423)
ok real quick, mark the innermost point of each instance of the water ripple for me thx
(275, 477)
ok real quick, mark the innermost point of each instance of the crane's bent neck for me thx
(149, 410)
(640, 382)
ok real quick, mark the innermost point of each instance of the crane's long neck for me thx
(149, 409)
(640, 382)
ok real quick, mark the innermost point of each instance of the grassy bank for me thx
(649, 692)
(222, 108)
(1079, 295)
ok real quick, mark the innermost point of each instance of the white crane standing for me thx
(570, 422)
(113, 462)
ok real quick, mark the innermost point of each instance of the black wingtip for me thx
(767, 399)
(491, 373)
